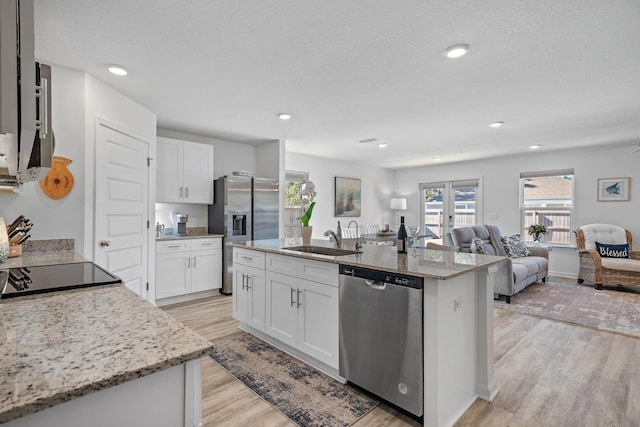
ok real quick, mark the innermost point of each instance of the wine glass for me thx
(413, 232)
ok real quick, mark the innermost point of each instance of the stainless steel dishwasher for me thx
(381, 335)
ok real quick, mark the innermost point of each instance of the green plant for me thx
(536, 230)
(307, 196)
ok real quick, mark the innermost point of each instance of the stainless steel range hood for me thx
(26, 138)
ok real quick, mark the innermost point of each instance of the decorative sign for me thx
(59, 181)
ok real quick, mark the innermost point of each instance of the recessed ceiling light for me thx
(436, 159)
(118, 70)
(284, 116)
(496, 124)
(382, 144)
(456, 51)
(535, 147)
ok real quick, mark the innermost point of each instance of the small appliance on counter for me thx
(180, 227)
(16, 282)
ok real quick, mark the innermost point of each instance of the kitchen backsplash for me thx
(197, 214)
(50, 245)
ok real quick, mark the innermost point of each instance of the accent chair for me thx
(598, 269)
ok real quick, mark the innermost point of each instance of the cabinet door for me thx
(240, 294)
(198, 173)
(256, 308)
(206, 270)
(318, 321)
(173, 275)
(282, 310)
(169, 170)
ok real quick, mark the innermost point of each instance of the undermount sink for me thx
(322, 250)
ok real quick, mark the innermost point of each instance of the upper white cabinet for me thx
(184, 172)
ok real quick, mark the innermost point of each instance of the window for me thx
(448, 205)
(292, 203)
(547, 199)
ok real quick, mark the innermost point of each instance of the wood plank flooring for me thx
(549, 373)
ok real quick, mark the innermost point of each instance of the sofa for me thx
(520, 271)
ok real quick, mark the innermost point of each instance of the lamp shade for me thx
(398, 203)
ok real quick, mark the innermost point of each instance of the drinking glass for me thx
(413, 232)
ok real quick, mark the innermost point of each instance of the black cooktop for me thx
(21, 281)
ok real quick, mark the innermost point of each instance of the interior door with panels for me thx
(122, 206)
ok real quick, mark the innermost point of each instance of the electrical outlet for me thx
(457, 304)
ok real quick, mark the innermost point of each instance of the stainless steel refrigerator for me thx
(243, 209)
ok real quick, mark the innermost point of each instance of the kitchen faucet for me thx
(358, 244)
(337, 235)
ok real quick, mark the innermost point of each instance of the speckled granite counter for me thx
(30, 259)
(427, 263)
(176, 237)
(58, 346)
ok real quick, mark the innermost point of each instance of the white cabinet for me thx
(184, 172)
(302, 306)
(188, 266)
(249, 288)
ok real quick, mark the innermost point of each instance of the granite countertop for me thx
(58, 346)
(176, 237)
(426, 263)
(31, 259)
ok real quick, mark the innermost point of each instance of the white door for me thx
(122, 207)
(168, 170)
(318, 321)
(256, 310)
(205, 270)
(173, 275)
(240, 294)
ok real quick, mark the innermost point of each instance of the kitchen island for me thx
(99, 356)
(457, 307)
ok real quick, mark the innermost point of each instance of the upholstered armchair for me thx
(597, 269)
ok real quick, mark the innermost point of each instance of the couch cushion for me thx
(520, 272)
(514, 246)
(603, 233)
(463, 238)
(623, 264)
(612, 251)
(479, 246)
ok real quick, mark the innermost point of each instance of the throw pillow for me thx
(478, 246)
(514, 246)
(613, 251)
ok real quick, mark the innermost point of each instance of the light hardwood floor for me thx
(549, 373)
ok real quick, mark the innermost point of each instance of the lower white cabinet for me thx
(293, 300)
(303, 313)
(188, 266)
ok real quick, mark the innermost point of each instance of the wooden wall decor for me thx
(59, 181)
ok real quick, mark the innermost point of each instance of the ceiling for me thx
(562, 74)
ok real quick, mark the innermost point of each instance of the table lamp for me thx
(399, 204)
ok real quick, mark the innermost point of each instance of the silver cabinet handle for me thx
(189, 262)
(243, 276)
(180, 191)
(187, 192)
(174, 246)
(206, 244)
(249, 277)
(104, 243)
(194, 261)
(299, 303)
(292, 300)
(246, 258)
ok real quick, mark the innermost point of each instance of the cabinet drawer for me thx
(317, 271)
(249, 258)
(173, 246)
(282, 264)
(199, 244)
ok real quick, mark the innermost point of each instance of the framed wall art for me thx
(613, 189)
(347, 200)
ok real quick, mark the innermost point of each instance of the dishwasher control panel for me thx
(382, 276)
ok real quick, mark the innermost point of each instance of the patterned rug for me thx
(613, 309)
(304, 395)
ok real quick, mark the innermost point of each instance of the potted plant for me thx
(307, 196)
(535, 230)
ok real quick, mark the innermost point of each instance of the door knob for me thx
(104, 243)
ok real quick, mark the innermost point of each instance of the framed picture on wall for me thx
(613, 189)
(347, 200)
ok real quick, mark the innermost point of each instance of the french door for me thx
(450, 204)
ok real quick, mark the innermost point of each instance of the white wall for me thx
(268, 160)
(62, 218)
(500, 180)
(377, 188)
(228, 156)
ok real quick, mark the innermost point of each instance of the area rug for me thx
(613, 309)
(304, 395)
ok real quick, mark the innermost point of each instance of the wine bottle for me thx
(402, 238)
